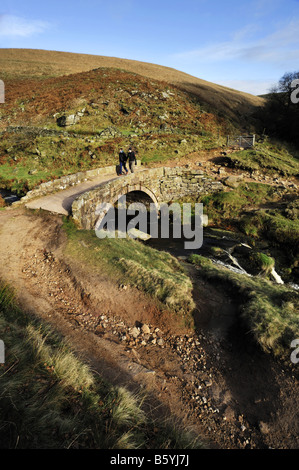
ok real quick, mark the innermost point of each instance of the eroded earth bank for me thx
(214, 380)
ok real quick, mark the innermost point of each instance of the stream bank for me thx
(225, 248)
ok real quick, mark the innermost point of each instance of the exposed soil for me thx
(216, 380)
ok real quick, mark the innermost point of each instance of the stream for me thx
(235, 252)
(8, 196)
(212, 237)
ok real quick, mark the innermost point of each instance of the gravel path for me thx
(61, 201)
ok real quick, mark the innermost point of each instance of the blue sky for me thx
(244, 45)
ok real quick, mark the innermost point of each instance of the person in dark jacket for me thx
(122, 162)
(132, 159)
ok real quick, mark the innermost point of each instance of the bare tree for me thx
(280, 115)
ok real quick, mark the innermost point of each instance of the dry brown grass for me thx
(39, 63)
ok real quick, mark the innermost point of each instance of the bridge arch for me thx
(138, 188)
(102, 209)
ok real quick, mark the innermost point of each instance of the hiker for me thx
(122, 162)
(132, 158)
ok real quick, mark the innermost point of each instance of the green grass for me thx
(242, 208)
(29, 162)
(274, 226)
(26, 161)
(50, 399)
(266, 156)
(156, 273)
(229, 205)
(263, 262)
(244, 211)
(269, 311)
(18, 179)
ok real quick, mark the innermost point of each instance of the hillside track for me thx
(214, 380)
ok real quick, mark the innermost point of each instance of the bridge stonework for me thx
(161, 184)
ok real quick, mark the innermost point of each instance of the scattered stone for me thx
(264, 427)
(110, 132)
(145, 329)
(233, 181)
(229, 414)
(135, 332)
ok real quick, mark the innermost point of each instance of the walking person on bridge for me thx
(132, 158)
(122, 162)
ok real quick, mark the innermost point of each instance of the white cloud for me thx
(280, 47)
(14, 26)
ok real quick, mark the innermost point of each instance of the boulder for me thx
(71, 120)
(233, 181)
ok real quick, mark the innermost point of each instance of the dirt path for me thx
(215, 381)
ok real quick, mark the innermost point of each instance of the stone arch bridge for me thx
(156, 185)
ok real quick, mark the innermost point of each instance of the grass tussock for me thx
(50, 399)
(268, 310)
(230, 205)
(262, 215)
(171, 288)
(126, 260)
(266, 156)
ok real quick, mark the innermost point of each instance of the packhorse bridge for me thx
(80, 194)
(155, 185)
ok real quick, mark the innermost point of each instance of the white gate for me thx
(244, 141)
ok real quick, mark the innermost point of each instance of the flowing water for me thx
(223, 239)
(8, 196)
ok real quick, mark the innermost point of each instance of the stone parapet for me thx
(161, 184)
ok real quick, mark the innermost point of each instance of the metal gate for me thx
(244, 141)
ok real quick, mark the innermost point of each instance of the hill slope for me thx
(111, 95)
(111, 108)
(39, 63)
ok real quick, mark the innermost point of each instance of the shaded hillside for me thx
(26, 63)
